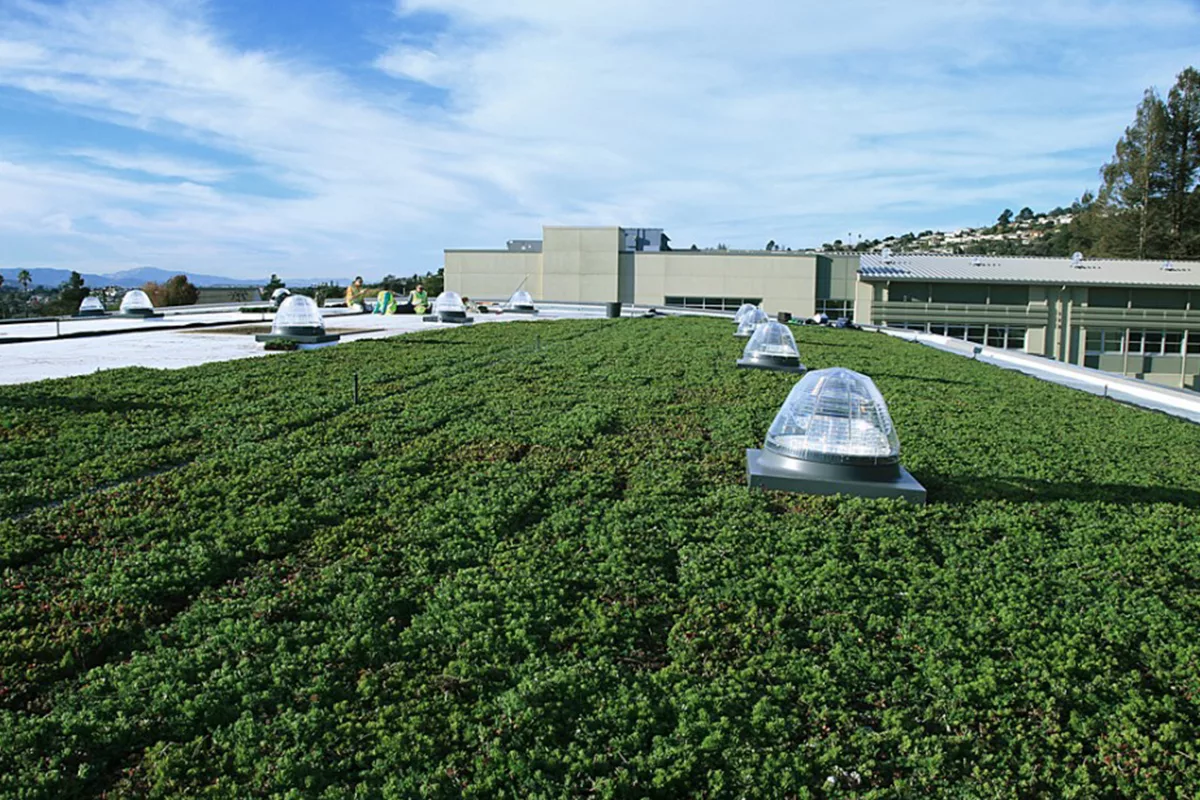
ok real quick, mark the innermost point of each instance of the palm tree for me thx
(24, 278)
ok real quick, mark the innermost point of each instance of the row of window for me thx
(712, 303)
(1142, 342)
(833, 309)
(836, 309)
(1003, 336)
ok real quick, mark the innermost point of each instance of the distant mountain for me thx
(141, 275)
(135, 278)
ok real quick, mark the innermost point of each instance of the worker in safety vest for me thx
(385, 302)
(419, 300)
(354, 294)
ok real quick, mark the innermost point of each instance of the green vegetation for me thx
(526, 564)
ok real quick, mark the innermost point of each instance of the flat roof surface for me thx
(1027, 269)
(165, 344)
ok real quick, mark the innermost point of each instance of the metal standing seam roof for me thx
(1028, 269)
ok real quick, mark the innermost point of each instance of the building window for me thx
(1106, 340)
(835, 309)
(712, 303)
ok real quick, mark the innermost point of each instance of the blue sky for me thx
(322, 138)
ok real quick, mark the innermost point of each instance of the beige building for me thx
(1135, 318)
(610, 264)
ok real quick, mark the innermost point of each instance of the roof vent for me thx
(886, 254)
(1077, 259)
(976, 261)
(1168, 266)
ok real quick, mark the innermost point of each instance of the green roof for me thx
(526, 563)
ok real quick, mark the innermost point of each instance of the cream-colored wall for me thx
(785, 282)
(493, 274)
(864, 302)
(580, 264)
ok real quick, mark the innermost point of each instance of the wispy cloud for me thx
(797, 121)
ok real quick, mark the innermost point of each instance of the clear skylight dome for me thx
(772, 338)
(750, 320)
(298, 315)
(448, 302)
(91, 305)
(743, 310)
(521, 299)
(835, 416)
(135, 302)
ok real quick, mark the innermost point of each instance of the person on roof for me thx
(419, 300)
(385, 302)
(354, 295)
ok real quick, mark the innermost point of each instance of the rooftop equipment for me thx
(749, 321)
(743, 310)
(91, 307)
(278, 296)
(298, 320)
(833, 435)
(448, 307)
(136, 303)
(521, 302)
(772, 347)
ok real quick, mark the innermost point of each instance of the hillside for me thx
(527, 564)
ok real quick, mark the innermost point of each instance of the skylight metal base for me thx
(521, 310)
(449, 317)
(140, 315)
(301, 334)
(773, 363)
(90, 314)
(743, 335)
(767, 470)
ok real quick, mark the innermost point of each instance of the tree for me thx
(273, 284)
(665, 243)
(771, 246)
(1025, 214)
(70, 294)
(178, 291)
(1134, 184)
(24, 278)
(1005, 217)
(1182, 161)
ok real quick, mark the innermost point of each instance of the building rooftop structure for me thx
(1027, 269)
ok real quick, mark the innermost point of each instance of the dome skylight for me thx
(91, 307)
(521, 302)
(136, 303)
(750, 320)
(772, 347)
(298, 319)
(743, 310)
(833, 435)
(448, 307)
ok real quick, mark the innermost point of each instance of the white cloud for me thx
(796, 121)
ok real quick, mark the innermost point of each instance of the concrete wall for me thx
(837, 277)
(786, 282)
(493, 274)
(580, 264)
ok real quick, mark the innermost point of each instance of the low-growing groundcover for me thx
(526, 565)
